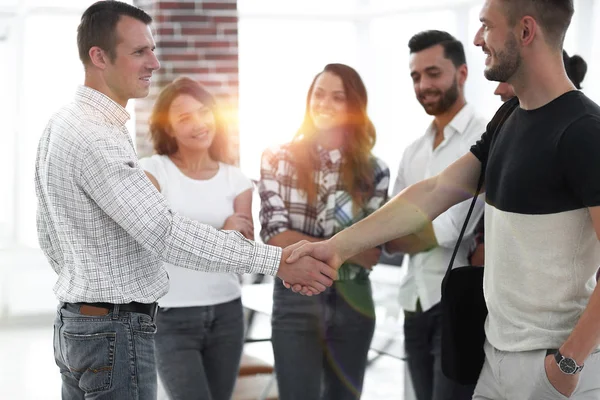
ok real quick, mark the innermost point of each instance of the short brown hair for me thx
(163, 143)
(98, 27)
(554, 16)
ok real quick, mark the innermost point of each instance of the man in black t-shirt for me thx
(542, 184)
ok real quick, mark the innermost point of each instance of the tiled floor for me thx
(28, 371)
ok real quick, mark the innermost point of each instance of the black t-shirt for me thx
(541, 251)
(545, 160)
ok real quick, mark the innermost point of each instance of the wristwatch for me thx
(567, 365)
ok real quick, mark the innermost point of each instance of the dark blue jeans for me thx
(105, 357)
(423, 342)
(198, 350)
(321, 342)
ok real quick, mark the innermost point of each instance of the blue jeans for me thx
(423, 343)
(198, 350)
(321, 343)
(105, 357)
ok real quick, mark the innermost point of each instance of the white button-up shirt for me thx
(104, 227)
(420, 161)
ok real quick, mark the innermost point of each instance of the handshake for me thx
(309, 268)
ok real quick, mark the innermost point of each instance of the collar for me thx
(111, 112)
(459, 123)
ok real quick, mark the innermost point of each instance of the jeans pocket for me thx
(550, 386)
(145, 325)
(90, 358)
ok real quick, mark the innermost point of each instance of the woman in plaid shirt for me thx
(325, 180)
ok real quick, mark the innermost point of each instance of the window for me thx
(7, 139)
(278, 61)
(39, 72)
(44, 77)
(396, 113)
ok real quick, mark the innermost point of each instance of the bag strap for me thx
(509, 109)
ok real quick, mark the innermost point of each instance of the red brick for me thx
(215, 44)
(224, 57)
(175, 5)
(180, 57)
(219, 6)
(225, 19)
(191, 70)
(227, 70)
(193, 31)
(170, 44)
(188, 18)
(165, 31)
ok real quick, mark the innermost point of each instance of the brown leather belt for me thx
(101, 309)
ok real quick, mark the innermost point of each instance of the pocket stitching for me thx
(111, 336)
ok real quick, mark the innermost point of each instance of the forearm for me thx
(398, 218)
(415, 243)
(290, 237)
(412, 209)
(585, 338)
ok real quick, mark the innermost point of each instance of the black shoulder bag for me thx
(463, 306)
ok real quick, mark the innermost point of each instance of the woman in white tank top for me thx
(200, 324)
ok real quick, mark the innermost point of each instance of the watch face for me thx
(568, 365)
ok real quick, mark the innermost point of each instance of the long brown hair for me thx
(357, 168)
(163, 143)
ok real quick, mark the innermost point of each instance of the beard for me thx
(508, 62)
(447, 99)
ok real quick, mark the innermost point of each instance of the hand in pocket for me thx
(565, 384)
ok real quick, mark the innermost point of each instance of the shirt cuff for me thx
(266, 259)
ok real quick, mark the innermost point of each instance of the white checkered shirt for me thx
(284, 206)
(104, 227)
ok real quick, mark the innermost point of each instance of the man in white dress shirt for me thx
(439, 71)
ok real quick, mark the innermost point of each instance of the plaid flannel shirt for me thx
(284, 206)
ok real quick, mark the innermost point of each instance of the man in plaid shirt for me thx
(106, 230)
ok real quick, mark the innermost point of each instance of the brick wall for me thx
(198, 39)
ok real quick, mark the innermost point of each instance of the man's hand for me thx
(241, 223)
(324, 251)
(367, 259)
(564, 383)
(309, 274)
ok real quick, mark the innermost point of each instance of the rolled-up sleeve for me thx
(274, 215)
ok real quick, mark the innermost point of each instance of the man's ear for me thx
(528, 31)
(462, 74)
(98, 57)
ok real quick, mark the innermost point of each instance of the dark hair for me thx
(453, 49)
(576, 68)
(554, 16)
(98, 27)
(357, 170)
(159, 119)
